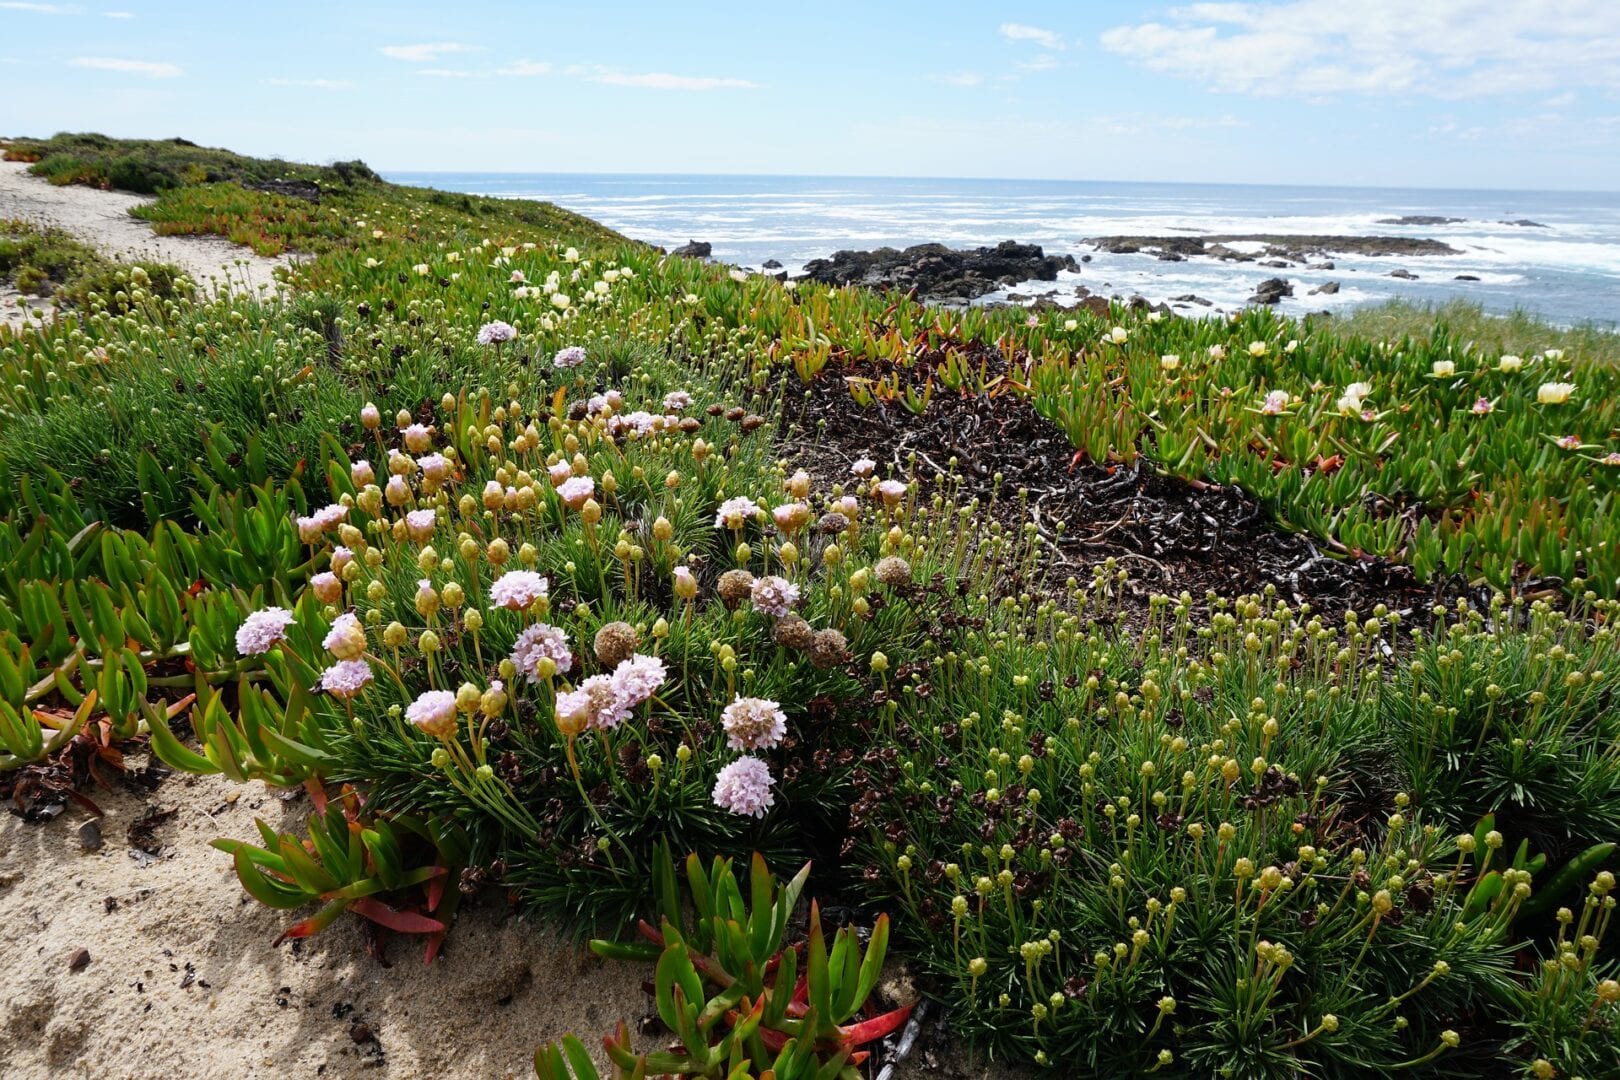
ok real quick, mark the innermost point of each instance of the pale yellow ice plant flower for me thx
(1510, 362)
(1257, 348)
(1444, 369)
(1554, 393)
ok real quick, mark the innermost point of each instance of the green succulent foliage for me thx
(353, 863)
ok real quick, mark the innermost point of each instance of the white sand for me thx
(101, 219)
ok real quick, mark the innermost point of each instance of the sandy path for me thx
(101, 219)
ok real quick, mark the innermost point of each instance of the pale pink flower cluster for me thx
(1611, 458)
(1274, 403)
(347, 638)
(863, 467)
(606, 701)
(537, 642)
(494, 333)
(326, 587)
(677, 401)
(753, 723)
(639, 422)
(420, 524)
(321, 521)
(601, 404)
(417, 438)
(571, 357)
(346, 678)
(736, 512)
(434, 713)
(262, 629)
(558, 472)
(575, 491)
(1569, 442)
(774, 595)
(435, 468)
(744, 787)
(516, 590)
(1483, 407)
(362, 473)
(891, 491)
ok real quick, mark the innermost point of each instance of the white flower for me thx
(1554, 393)
(1071, 325)
(1444, 369)
(560, 300)
(1257, 348)
(1169, 361)
(1118, 335)
(1553, 354)
(863, 467)
(422, 268)
(739, 275)
(1510, 362)
(753, 723)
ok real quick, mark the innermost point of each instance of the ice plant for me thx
(1554, 393)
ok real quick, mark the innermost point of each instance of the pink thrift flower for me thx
(735, 513)
(434, 713)
(774, 595)
(262, 629)
(638, 678)
(744, 787)
(753, 724)
(516, 590)
(346, 678)
(575, 491)
(537, 642)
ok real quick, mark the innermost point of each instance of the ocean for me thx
(1565, 268)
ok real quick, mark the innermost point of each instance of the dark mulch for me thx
(1168, 534)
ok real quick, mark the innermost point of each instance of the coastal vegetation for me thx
(539, 559)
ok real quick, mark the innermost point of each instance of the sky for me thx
(1403, 93)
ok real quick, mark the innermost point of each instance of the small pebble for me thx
(79, 960)
(90, 837)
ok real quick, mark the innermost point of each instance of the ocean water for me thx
(1567, 271)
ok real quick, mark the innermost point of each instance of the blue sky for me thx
(1464, 93)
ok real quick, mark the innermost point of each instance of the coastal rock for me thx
(1277, 264)
(1322, 266)
(1327, 288)
(1294, 249)
(1085, 258)
(937, 272)
(1466, 277)
(1271, 291)
(770, 264)
(694, 249)
(1404, 274)
(1421, 219)
(1524, 223)
(1192, 298)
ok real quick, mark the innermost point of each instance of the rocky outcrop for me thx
(1524, 223)
(1294, 249)
(1271, 291)
(694, 249)
(1404, 274)
(1327, 288)
(1466, 277)
(937, 272)
(1421, 219)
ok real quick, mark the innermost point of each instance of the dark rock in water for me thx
(937, 272)
(1296, 249)
(1271, 291)
(1322, 266)
(1085, 258)
(1171, 256)
(1404, 274)
(1191, 298)
(1327, 288)
(1421, 219)
(1017, 298)
(1277, 264)
(694, 249)
(770, 264)
(1524, 223)
(780, 275)
(1465, 277)
(307, 190)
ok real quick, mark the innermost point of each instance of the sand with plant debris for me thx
(182, 977)
(101, 219)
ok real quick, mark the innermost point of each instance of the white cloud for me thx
(421, 54)
(658, 80)
(151, 69)
(40, 9)
(444, 73)
(314, 84)
(966, 78)
(1046, 39)
(525, 67)
(1443, 48)
(117, 14)
(1039, 62)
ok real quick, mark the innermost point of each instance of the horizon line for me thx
(386, 171)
